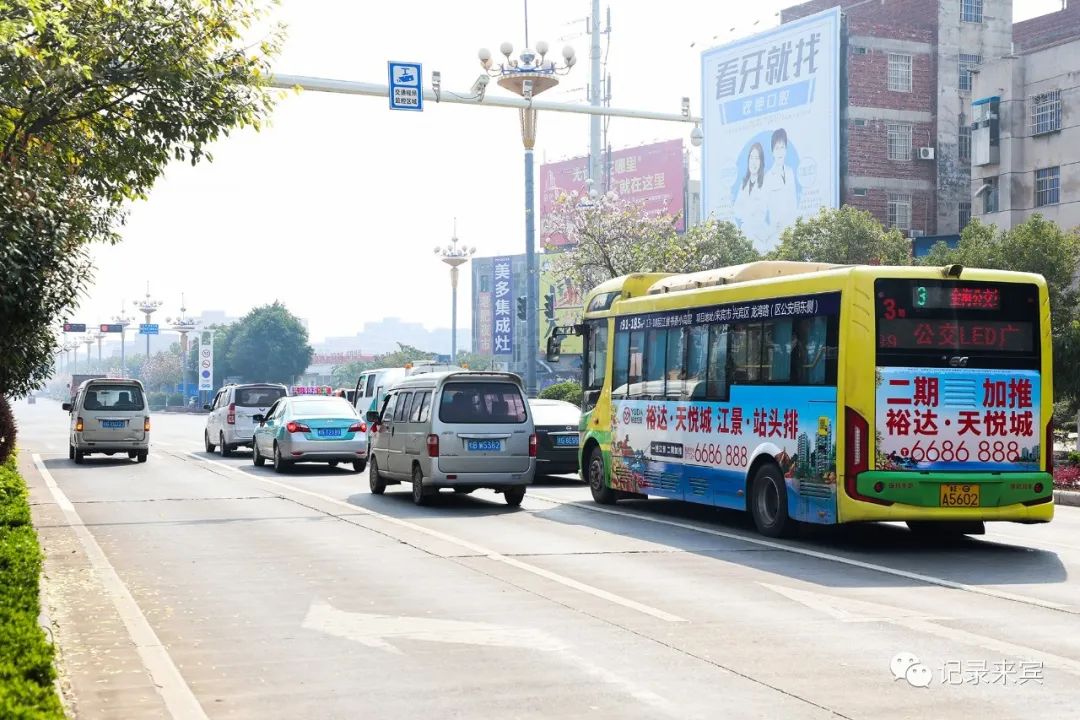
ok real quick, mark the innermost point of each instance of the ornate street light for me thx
(88, 341)
(148, 307)
(455, 257)
(528, 75)
(183, 324)
(123, 321)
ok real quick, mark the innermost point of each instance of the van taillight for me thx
(231, 417)
(78, 425)
(532, 445)
(1048, 446)
(433, 446)
(146, 424)
(857, 454)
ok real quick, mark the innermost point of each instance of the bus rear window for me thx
(934, 322)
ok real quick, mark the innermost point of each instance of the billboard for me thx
(502, 339)
(770, 118)
(648, 174)
(483, 323)
(568, 304)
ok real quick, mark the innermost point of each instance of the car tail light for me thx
(231, 417)
(857, 454)
(433, 445)
(295, 427)
(532, 445)
(78, 425)
(358, 427)
(146, 424)
(1049, 446)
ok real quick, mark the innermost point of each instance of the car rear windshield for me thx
(258, 396)
(113, 397)
(322, 407)
(482, 402)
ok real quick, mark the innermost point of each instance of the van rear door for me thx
(113, 413)
(252, 400)
(483, 427)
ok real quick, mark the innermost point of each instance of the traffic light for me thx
(549, 306)
(74, 327)
(522, 307)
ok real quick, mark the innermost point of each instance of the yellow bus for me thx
(822, 393)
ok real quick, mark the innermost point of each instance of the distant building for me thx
(383, 336)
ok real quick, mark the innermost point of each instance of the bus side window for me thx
(697, 358)
(717, 377)
(655, 357)
(621, 365)
(637, 357)
(370, 385)
(811, 356)
(779, 344)
(676, 364)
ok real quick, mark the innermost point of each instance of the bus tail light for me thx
(1048, 446)
(433, 445)
(857, 454)
(231, 417)
(78, 425)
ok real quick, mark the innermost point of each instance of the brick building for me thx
(906, 103)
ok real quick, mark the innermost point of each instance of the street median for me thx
(27, 674)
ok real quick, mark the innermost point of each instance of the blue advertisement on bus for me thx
(957, 419)
(700, 451)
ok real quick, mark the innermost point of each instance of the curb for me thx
(1067, 497)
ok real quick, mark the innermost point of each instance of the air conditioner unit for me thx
(916, 233)
(926, 153)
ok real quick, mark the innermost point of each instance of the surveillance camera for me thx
(479, 86)
(952, 271)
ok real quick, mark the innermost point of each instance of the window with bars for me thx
(990, 195)
(899, 141)
(967, 64)
(900, 211)
(965, 214)
(971, 11)
(1047, 186)
(1046, 112)
(899, 72)
(964, 141)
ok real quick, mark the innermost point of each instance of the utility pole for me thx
(594, 92)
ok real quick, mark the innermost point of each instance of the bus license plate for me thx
(484, 445)
(566, 440)
(329, 432)
(960, 495)
(113, 424)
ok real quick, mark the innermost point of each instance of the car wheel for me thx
(256, 458)
(226, 451)
(420, 494)
(600, 492)
(514, 495)
(142, 456)
(280, 464)
(358, 466)
(375, 481)
(206, 440)
(768, 502)
(78, 456)
(332, 463)
(132, 454)
(71, 452)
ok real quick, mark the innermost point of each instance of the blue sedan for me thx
(310, 429)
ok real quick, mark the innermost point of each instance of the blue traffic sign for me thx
(148, 329)
(406, 86)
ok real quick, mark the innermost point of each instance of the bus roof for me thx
(761, 270)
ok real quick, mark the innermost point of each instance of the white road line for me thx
(460, 542)
(179, 700)
(761, 542)
(161, 442)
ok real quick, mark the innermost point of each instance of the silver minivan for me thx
(109, 416)
(231, 421)
(461, 430)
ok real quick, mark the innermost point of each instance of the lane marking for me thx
(161, 442)
(819, 555)
(179, 700)
(468, 545)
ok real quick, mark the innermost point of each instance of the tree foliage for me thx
(568, 391)
(269, 344)
(95, 99)
(846, 236)
(161, 370)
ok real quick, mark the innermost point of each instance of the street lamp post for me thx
(88, 341)
(183, 325)
(99, 336)
(528, 75)
(123, 321)
(148, 307)
(455, 257)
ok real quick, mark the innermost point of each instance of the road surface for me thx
(200, 586)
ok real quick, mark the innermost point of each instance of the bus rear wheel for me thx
(768, 502)
(601, 493)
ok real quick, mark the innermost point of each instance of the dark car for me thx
(557, 436)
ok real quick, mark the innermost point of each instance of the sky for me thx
(335, 208)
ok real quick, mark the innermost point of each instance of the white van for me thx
(109, 416)
(461, 430)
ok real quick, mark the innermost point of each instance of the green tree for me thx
(568, 390)
(269, 344)
(96, 98)
(161, 371)
(846, 236)
(714, 244)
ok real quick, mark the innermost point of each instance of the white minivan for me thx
(231, 422)
(109, 416)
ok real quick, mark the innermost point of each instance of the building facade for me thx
(907, 85)
(1026, 126)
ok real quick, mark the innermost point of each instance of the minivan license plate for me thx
(484, 445)
(329, 432)
(113, 424)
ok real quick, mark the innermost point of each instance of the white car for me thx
(230, 423)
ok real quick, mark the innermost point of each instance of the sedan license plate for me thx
(960, 495)
(484, 445)
(113, 424)
(566, 440)
(329, 432)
